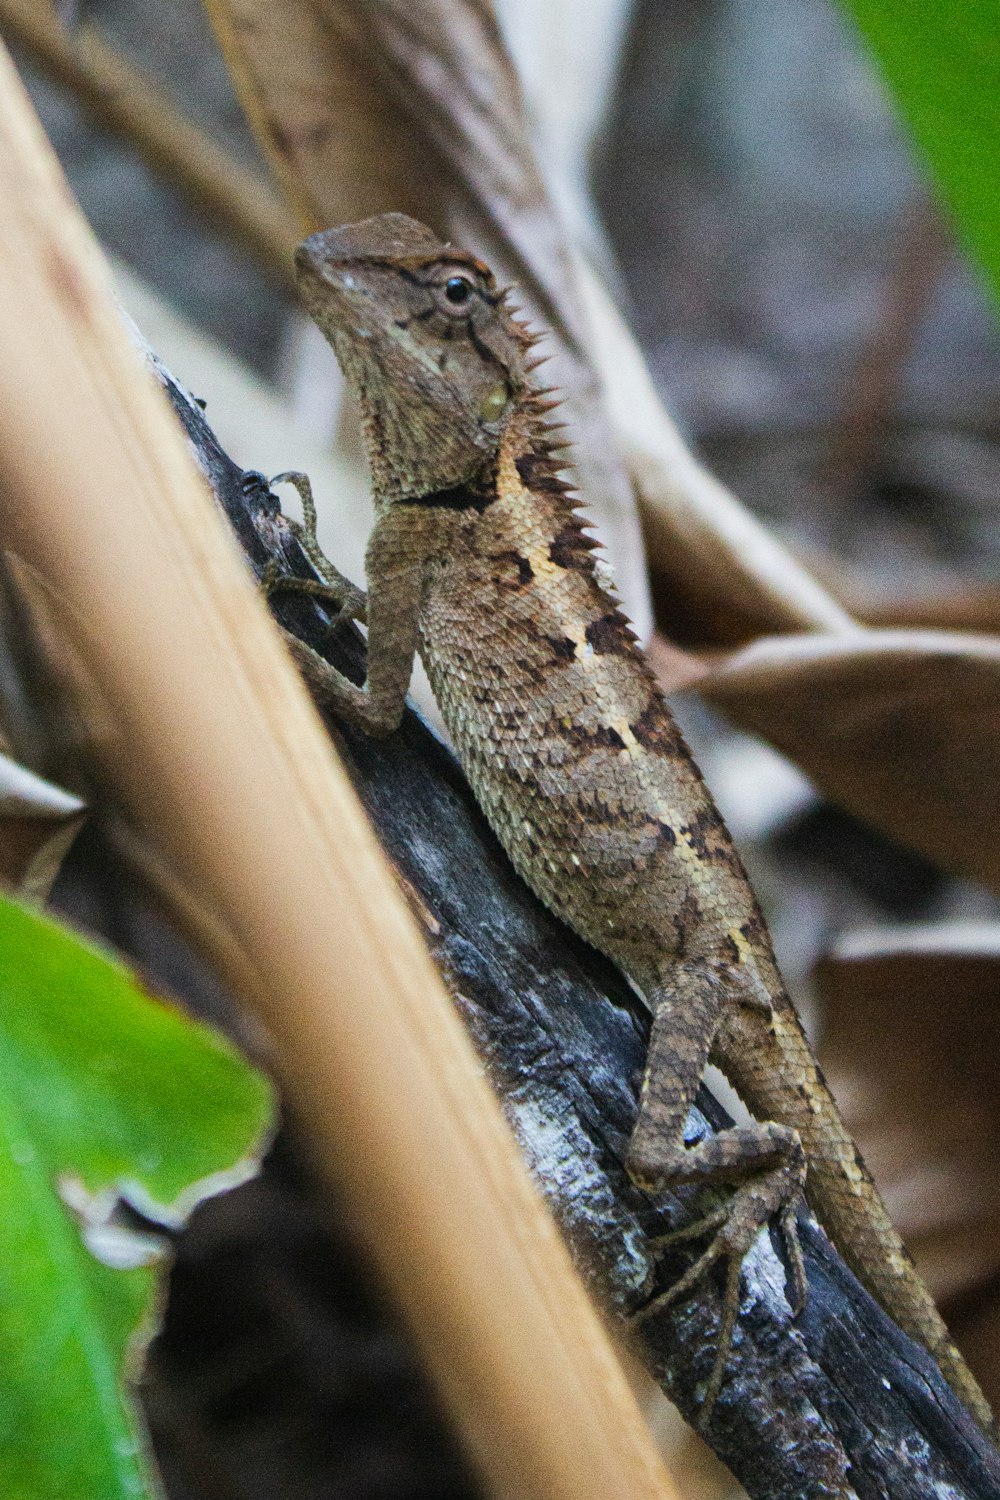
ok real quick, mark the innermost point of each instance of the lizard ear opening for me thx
(495, 402)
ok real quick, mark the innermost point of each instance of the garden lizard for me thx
(479, 560)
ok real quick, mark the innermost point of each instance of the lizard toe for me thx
(733, 1226)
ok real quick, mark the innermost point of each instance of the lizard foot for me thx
(733, 1227)
(331, 587)
(305, 529)
(343, 597)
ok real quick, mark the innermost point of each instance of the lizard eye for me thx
(458, 290)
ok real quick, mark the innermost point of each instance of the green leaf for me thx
(942, 60)
(106, 1095)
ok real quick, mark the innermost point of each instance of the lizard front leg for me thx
(332, 586)
(765, 1162)
(391, 611)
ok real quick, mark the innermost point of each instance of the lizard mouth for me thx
(335, 296)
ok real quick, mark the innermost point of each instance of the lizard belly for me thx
(577, 763)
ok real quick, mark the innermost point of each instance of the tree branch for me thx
(836, 1402)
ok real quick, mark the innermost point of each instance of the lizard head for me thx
(425, 339)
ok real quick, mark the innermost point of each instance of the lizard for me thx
(480, 560)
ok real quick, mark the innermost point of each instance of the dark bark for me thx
(834, 1402)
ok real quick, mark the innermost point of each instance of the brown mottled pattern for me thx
(571, 546)
(569, 746)
(557, 681)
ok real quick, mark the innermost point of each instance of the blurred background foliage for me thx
(941, 62)
(774, 182)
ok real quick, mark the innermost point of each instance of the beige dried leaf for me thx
(900, 727)
(911, 1045)
(719, 578)
(38, 823)
(699, 1475)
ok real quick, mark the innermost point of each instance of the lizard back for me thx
(563, 731)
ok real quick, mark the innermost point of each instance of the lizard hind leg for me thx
(762, 1164)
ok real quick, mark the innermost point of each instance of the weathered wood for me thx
(834, 1402)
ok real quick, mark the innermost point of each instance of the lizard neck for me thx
(524, 467)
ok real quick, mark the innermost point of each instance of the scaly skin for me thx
(478, 560)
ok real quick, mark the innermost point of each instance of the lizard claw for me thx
(730, 1309)
(684, 1284)
(694, 1231)
(734, 1226)
(789, 1231)
(342, 598)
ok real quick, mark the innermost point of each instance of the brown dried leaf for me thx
(911, 1044)
(950, 602)
(900, 727)
(126, 101)
(676, 670)
(413, 105)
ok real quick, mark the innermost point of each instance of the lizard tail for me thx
(771, 1065)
